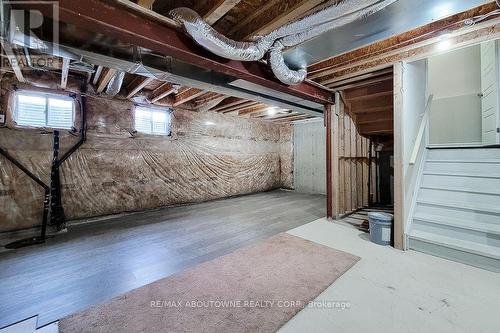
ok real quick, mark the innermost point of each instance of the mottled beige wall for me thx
(208, 156)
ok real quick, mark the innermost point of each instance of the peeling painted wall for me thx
(208, 156)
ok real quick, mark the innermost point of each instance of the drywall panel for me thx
(310, 157)
(456, 120)
(455, 81)
(208, 156)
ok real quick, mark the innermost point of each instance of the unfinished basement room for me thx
(250, 166)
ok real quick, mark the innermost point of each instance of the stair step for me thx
(459, 223)
(480, 161)
(472, 154)
(460, 174)
(477, 184)
(461, 205)
(460, 189)
(457, 244)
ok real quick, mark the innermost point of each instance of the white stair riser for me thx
(470, 168)
(463, 154)
(457, 233)
(467, 198)
(472, 183)
(457, 213)
(456, 255)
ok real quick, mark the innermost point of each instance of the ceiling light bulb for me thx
(272, 111)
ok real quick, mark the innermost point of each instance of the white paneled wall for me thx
(310, 157)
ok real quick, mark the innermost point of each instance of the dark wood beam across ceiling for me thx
(115, 20)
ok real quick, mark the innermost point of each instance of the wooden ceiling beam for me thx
(376, 127)
(338, 80)
(97, 74)
(245, 105)
(187, 95)
(209, 100)
(104, 79)
(128, 27)
(214, 10)
(163, 91)
(281, 13)
(370, 96)
(377, 109)
(237, 29)
(137, 84)
(292, 118)
(64, 73)
(365, 118)
(253, 109)
(368, 82)
(231, 101)
(386, 86)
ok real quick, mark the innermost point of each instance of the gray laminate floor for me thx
(95, 262)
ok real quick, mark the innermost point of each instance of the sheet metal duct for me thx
(169, 70)
(330, 16)
(400, 17)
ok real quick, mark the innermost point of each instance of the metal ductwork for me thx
(330, 16)
(171, 70)
(209, 38)
(115, 84)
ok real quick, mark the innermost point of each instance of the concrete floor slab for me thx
(393, 291)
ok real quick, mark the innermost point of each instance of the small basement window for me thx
(152, 120)
(44, 110)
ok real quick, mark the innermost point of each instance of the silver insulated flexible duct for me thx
(115, 84)
(329, 16)
(217, 43)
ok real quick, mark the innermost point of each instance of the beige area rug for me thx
(254, 289)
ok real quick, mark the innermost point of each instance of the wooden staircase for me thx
(457, 211)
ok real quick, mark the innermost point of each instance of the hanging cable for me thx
(476, 19)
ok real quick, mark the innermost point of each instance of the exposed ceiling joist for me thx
(163, 91)
(104, 79)
(370, 96)
(115, 20)
(64, 73)
(379, 79)
(137, 85)
(373, 109)
(364, 118)
(187, 95)
(281, 13)
(231, 101)
(291, 118)
(213, 10)
(236, 30)
(377, 128)
(251, 110)
(97, 74)
(244, 105)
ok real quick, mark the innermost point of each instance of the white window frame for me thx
(45, 95)
(154, 109)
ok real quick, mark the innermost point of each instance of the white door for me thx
(489, 90)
